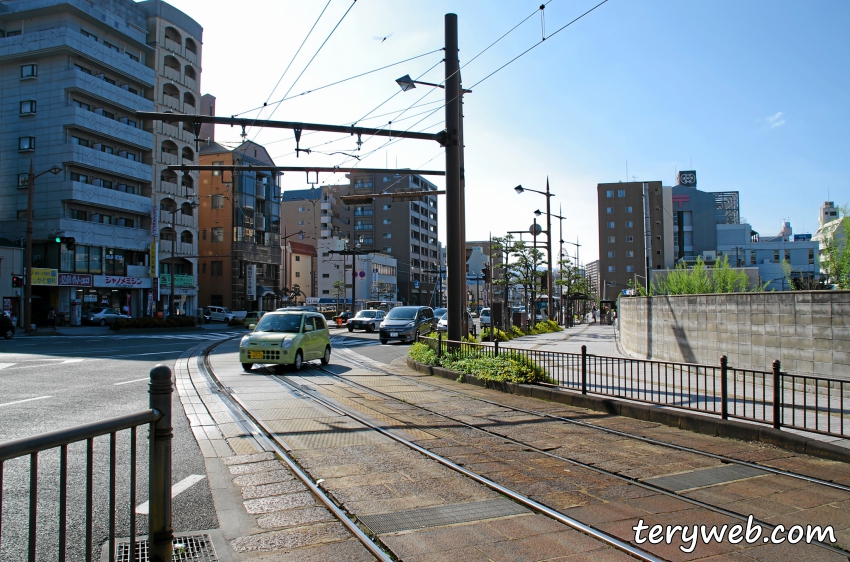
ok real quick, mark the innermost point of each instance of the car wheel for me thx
(351, 328)
(247, 366)
(384, 341)
(326, 358)
(299, 360)
(103, 321)
(10, 333)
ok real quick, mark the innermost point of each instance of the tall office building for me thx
(73, 75)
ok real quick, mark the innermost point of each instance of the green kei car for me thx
(286, 338)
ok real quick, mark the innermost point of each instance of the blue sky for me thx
(752, 95)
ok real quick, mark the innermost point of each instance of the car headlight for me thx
(286, 344)
(410, 325)
(244, 341)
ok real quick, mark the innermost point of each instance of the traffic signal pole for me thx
(455, 244)
(28, 253)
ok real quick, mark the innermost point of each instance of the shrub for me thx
(546, 327)
(507, 367)
(498, 335)
(423, 354)
(516, 332)
(469, 338)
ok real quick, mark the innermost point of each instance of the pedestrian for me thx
(594, 313)
(126, 309)
(51, 319)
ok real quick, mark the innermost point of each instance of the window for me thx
(776, 256)
(27, 107)
(752, 258)
(387, 207)
(82, 69)
(630, 268)
(297, 273)
(216, 172)
(297, 258)
(80, 141)
(630, 253)
(111, 46)
(387, 249)
(217, 201)
(388, 221)
(609, 210)
(216, 268)
(326, 275)
(611, 254)
(23, 180)
(82, 178)
(300, 223)
(204, 234)
(133, 58)
(611, 269)
(788, 256)
(621, 193)
(29, 71)
(387, 235)
(13, 33)
(89, 35)
(203, 267)
(629, 210)
(630, 239)
(610, 239)
(609, 194)
(629, 224)
(217, 234)
(811, 257)
(26, 143)
(611, 224)
(82, 105)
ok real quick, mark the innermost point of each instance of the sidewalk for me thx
(600, 339)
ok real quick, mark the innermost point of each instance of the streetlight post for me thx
(286, 259)
(28, 247)
(520, 189)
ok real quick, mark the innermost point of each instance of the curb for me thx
(689, 421)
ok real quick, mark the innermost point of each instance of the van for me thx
(217, 314)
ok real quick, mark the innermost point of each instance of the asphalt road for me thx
(55, 382)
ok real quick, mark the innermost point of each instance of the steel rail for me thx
(519, 498)
(650, 440)
(626, 479)
(269, 436)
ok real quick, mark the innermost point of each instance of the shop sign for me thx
(75, 280)
(251, 282)
(43, 276)
(122, 282)
(154, 222)
(90, 298)
(183, 291)
(180, 280)
(154, 260)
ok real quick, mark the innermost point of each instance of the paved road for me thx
(56, 382)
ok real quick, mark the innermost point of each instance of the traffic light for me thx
(17, 281)
(486, 273)
(58, 239)
(70, 243)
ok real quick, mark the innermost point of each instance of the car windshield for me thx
(280, 323)
(402, 313)
(366, 314)
(438, 312)
(444, 317)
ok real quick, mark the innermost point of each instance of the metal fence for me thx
(817, 404)
(158, 418)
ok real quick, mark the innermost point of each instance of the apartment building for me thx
(73, 75)
(239, 249)
(176, 41)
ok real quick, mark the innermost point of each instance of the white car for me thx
(485, 318)
(217, 314)
(369, 320)
(443, 324)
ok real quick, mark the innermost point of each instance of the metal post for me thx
(160, 531)
(28, 253)
(455, 250)
(584, 369)
(724, 388)
(171, 266)
(777, 395)
(550, 311)
(439, 344)
(496, 347)
(354, 285)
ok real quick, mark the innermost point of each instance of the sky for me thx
(752, 95)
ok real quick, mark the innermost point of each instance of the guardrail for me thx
(816, 404)
(159, 476)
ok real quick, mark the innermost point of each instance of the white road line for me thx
(181, 486)
(27, 400)
(4, 365)
(128, 382)
(66, 361)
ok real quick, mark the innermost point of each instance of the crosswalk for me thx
(205, 336)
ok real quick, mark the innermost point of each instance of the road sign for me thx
(416, 284)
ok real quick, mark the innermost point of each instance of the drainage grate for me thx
(707, 477)
(192, 548)
(396, 521)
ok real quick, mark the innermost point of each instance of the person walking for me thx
(126, 309)
(594, 313)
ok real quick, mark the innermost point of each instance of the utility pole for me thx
(455, 244)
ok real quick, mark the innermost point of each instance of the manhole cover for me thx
(193, 548)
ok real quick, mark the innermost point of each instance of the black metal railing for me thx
(817, 404)
(158, 417)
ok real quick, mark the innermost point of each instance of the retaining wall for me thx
(808, 331)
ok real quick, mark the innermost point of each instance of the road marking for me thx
(181, 486)
(66, 361)
(128, 382)
(4, 365)
(27, 400)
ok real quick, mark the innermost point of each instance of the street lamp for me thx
(286, 259)
(519, 189)
(55, 169)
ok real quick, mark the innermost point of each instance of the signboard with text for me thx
(154, 260)
(75, 280)
(44, 276)
(251, 282)
(117, 282)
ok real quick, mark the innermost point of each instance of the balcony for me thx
(108, 163)
(168, 158)
(191, 57)
(172, 46)
(171, 101)
(189, 109)
(367, 213)
(325, 219)
(362, 227)
(185, 249)
(101, 125)
(106, 198)
(171, 73)
(169, 188)
(78, 80)
(190, 83)
(326, 206)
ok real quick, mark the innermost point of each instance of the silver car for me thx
(443, 324)
(104, 316)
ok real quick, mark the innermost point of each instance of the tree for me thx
(381, 290)
(524, 271)
(836, 251)
(338, 291)
(575, 283)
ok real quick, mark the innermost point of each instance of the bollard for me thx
(777, 395)
(584, 369)
(724, 387)
(160, 534)
(496, 347)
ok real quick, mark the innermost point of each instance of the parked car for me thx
(443, 324)
(438, 312)
(485, 318)
(252, 318)
(307, 308)
(369, 320)
(7, 328)
(217, 314)
(288, 337)
(104, 316)
(406, 323)
(472, 313)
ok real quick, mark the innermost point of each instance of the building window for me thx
(629, 224)
(630, 254)
(387, 235)
(26, 143)
(326, 275)
(297, 258)
(621, 193)
(217, 201)
(611, 269)
(23, 180)
(611, 254)
(630, 268)
(217, 234)
(219, 163)
(811, 257)
(630, 238)
(29, 71)
(204, 267)
(629, 209)
(609, 210)
(387, 249)
(388, 221)
(775, 256)
(89, 35)
(387, 207)
(297, 274)
(326, 291)
(216, 268)
(81, 142)
(609, 194)
(610, 239)
(14, 33)
(753, 258)
(611, 224)
(27, 107)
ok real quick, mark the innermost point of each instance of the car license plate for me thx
(255, 355)
(393, 334)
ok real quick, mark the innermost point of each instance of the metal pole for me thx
(455, 250)
(160, 532)
(724, 387)
(353, 285)
(533, 276)
(171, 266)
(28, 253)
(550, 312)
(584, 369)
(777, 395)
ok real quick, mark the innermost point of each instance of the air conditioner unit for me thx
(709, 255)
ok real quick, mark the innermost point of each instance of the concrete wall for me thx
(809, 331)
